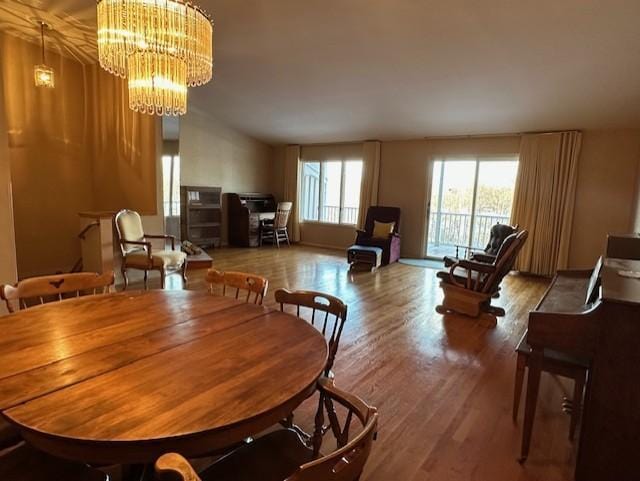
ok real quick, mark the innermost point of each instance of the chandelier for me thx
(43, 75)
(160, 46)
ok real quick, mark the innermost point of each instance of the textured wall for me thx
(212, 154)
(605, 194)
(8, 269)
(73, 148)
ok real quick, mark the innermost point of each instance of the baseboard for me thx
(323, 246)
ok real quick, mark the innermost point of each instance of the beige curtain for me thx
(544, 199)
(370, 179)
(292, 188)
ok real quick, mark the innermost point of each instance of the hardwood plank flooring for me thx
(443, 385)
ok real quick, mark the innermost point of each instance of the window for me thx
(171, 185)
(331, 191)
(468, 196)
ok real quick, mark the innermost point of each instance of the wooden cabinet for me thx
(201, 215)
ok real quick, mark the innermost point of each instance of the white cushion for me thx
(130, 227)
(165, 259)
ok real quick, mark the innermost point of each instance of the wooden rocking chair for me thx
(469, 285)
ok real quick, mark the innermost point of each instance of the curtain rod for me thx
(349, 142)
(444, 137)
(505, 134)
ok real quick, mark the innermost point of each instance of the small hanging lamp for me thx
(42, 73)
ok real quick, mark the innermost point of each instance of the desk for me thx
(123, 378)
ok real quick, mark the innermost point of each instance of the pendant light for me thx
(43, 74)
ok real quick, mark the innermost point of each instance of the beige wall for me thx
(277, 172)
(50, 157)
(405, 183)
(607, 196)
(605, 193)
(124, 147)
(8, 268)
(212, 154)
(327, 235)
(74, 148)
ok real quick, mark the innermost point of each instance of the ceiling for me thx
(332, 70)
(71, 31)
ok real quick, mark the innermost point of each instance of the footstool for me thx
(358, 255)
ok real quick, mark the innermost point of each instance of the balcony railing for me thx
(449, 229)
(331, 214)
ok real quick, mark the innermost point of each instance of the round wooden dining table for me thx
(123, 378)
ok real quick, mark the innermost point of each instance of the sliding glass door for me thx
(468, 196)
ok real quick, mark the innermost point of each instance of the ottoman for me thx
(358, 255)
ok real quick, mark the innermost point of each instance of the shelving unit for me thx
(201, 215)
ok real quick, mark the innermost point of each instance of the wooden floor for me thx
(443, 385)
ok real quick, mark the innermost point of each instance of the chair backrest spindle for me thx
(333, 308)
(58, 287)
(345, 463)
(239, 281)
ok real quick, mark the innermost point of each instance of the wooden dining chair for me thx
(251, 283)
(283, 455)
(275, 230)
(24, 463)
(330, 324)
(39, 290)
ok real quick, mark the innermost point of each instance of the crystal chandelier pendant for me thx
(157, 84)
(161, 47)
(43, 75)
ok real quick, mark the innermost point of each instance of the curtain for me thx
(370, 179)
(544, 199)
(292, 188)
(126, 146)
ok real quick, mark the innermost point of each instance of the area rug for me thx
(428, 263)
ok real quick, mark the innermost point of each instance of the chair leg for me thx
(276, 236)
(286, 236)
(184, 274)
(146, 279)
(533, 384)
(521, 364)
(162, 278)
(124, 277)
(316, 438)
(578, 393)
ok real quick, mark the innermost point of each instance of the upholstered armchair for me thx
(390, 242)
(137, 252)
(499, 233)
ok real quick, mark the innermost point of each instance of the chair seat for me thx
(524, 348)
(359, 248)
(459, 273)
(272, 457)
(166, 259)
(24, 463)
